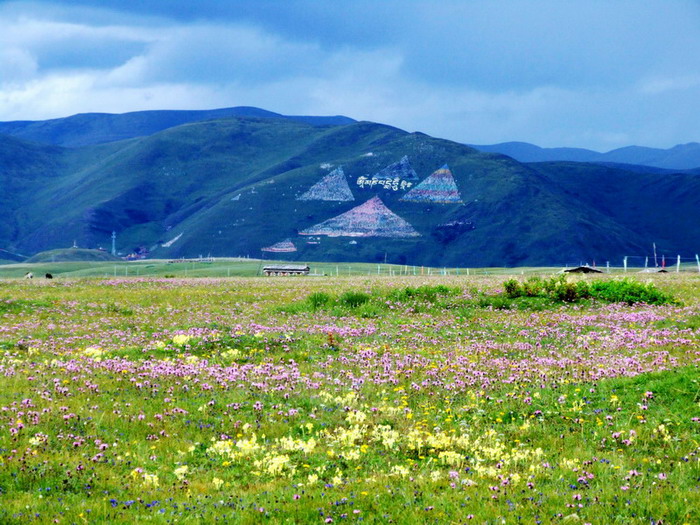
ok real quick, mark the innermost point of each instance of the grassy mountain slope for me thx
(72, 255)
(98, 128)
(229, 187)
(23, 168)
(656, 208)
(679, 157)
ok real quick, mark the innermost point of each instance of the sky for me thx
(597, 74)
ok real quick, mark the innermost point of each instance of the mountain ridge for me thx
(84, 129)
(679, 157)
(232, 187)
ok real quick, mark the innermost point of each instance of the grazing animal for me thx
(29, 275)
(49, 276)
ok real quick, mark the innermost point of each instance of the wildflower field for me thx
(438, 399)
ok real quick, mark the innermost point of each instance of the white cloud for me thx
(212, 53)
(16, 66)
(661, 85)
(598, 75)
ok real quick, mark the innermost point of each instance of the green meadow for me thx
(196, 392)
(234, 267)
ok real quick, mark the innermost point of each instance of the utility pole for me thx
(114, 243)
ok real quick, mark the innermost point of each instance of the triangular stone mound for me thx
(438, 187)
(371, 219)
(401, 170)
(284, 246)
(332, 187)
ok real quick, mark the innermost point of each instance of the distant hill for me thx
(98, 128)
(680, 157)
(9, 257)
(285, 188)
(72, 255)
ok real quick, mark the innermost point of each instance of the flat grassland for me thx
(404, 399)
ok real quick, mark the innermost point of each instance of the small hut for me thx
(583, 269)
(286, 269)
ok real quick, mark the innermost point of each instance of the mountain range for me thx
(679, 157)
(247, 182)
(97, 128)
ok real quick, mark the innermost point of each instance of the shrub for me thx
(402, 295)
(496, 302)
(566, 292)
(353, 299)
(630, 292)
(558, 289)
(512, 288)
(369, 311)
(583, 290)
(318, 300)
(533, 287)
(425, 293)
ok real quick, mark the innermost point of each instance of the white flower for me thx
(181, 472)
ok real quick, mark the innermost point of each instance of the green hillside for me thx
(72, 255)
(238, 186)
(99, 128)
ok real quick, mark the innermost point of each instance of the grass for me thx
(219, 267)
(344, 399)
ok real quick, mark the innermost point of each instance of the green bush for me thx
(422, 293)
(512, 288)
(353, 299)
(630, 292)
(402, 295)
(318, 300)
(565, 292)
(533, 287)
(496, 302)
(559, 289)
(369, 311)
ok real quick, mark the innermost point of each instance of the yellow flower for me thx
(150, 480)
(94, 352)
(181, 339)
(397, 470)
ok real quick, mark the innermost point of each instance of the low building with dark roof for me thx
(285, 269)
(583, 269)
